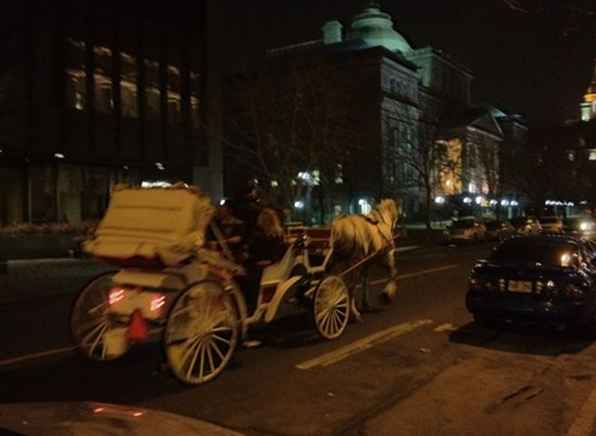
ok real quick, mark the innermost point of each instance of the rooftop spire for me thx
(373, 4)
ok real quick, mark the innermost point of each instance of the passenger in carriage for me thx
(232, 229)
(265, 247)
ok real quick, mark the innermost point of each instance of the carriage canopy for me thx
(162, 224)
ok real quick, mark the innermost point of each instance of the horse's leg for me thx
(390, 290)
(355, 295)
(357, 316)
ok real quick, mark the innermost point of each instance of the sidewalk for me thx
(23, 280)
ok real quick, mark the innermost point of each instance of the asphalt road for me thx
(419, 367)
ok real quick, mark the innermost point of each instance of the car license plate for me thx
(522, 287)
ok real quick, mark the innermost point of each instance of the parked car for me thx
(499, 230)
(468, 229)
(526, 225)
(546, 279)
(583, 227)
(551, 224)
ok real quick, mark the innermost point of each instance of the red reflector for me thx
(137, 329)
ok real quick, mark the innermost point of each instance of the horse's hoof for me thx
(356, 318)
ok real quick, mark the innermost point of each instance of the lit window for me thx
(79, 101)
(571, 156)
(592, 155)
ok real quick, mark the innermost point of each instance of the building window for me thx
(173, 111)
(153, 103)
(129, 100)
(76, 91)
(79, 102)
(571, 156)
(104, 100)
(592, 155)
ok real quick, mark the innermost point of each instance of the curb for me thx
(7, 265)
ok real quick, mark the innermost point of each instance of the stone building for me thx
(93, 95)
(588, 106)
(407, 98)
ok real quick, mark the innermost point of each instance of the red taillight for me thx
(116, 295)
(157, 302)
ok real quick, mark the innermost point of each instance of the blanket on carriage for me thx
(163, 224)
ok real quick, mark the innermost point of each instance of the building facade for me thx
(93, 96)
(409, 100)
(588, 106)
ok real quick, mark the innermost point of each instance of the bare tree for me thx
(294, 126)
(426, 160)
(489, 162)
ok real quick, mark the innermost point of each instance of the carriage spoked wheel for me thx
(331, 307)
(90, 324)
(201, 333)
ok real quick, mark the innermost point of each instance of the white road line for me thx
(416, 274)
(407, 248)
(584, 422)
(448, 327)
(33, 356)
(363, 344)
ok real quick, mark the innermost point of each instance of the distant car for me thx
(499, 230)
(549, 280)
(551, 224)
(527, 225)
(583, 227)
(466, 230)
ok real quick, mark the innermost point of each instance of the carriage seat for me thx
(279, 271)
(157, 224)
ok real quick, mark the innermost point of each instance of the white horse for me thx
(358, 237)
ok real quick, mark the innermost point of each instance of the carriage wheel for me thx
(331, 307)
(201, 333)
(90, 324)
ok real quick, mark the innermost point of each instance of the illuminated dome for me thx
(375, 28)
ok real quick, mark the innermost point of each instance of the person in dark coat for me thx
(265, 247)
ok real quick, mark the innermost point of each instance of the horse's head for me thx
(389, 210)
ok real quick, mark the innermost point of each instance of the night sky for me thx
(537, 63)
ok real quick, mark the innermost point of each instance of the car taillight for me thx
(116, 295)
(486, 285)
(573, 291)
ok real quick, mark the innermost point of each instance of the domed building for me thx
(588, 106)
(401, 98)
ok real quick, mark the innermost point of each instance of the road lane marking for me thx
(407, 248)
(416, 274)
(448, 327)
(584, 422)
(363, 344)
(34, 356)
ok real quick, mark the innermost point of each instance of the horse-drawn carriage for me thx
(172, 284)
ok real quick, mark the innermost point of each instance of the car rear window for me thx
(523, 251)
